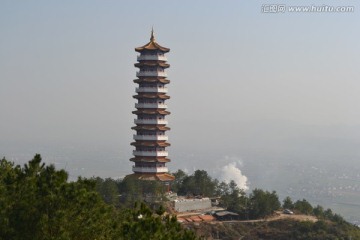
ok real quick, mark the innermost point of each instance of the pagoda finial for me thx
(152, 38)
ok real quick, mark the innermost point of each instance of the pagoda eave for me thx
(150, 127)
(151, 112)
(152, 80)
(150, 144)
(163, 177)
(152, 64)
(152, 45)
(152, 95)
(143, 159)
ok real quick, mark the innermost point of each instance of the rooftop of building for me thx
(152, 45)
(164, 177)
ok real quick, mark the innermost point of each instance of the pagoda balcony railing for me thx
(151, 74)
(152, 57)
(152, 89)
(150, 121)
(151, 137)
(150, 169)
(150, 105)
(150, 153)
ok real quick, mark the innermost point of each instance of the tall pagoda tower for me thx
(150, 155)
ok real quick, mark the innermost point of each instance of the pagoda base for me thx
(163, 177)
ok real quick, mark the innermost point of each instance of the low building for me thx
(185, 205)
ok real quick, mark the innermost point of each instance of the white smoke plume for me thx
(232, 172)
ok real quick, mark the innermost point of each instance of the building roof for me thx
(151, 111)
(152, 45)
(150, 144)
(152, 64)
(150, 159)
(164, 177)
(152, 80)
(196, 219)
(151, 128)
(152, 95)
(207, 218)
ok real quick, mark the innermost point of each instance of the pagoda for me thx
(150, 155)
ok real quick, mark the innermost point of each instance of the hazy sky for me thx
(240, 79)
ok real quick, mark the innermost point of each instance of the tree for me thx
(142, 224)
(204, 183)
(199, 183)
(233, 198)
(303, 206)
(263, 203)
(328, 213)
(222, 189)
(135, 190)
(288, 203)
(108, 190)
(318, 211)
(37, 202)
(179, 175)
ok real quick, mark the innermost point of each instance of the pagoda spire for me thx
(152, 38)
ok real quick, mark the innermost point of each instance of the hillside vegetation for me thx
(38, 202)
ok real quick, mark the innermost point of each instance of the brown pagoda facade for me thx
(150, 155)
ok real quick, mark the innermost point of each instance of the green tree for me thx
(328, 214)
(108, 190)
(288, 203)
(233, 198)
(179, 175)
(204, 183)
(303, 206)
(37, 202)
(263, 203)
(199, 183)
(142, 224)
(222, 189)
(135, 190)
(318, 211)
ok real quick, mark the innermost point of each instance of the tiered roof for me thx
(151, 111)
(152, 80)
(152, 64)
(150, 159)
(158, 176)
(152, 95)
(151, 127)
(152, 45)
(150, 144)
